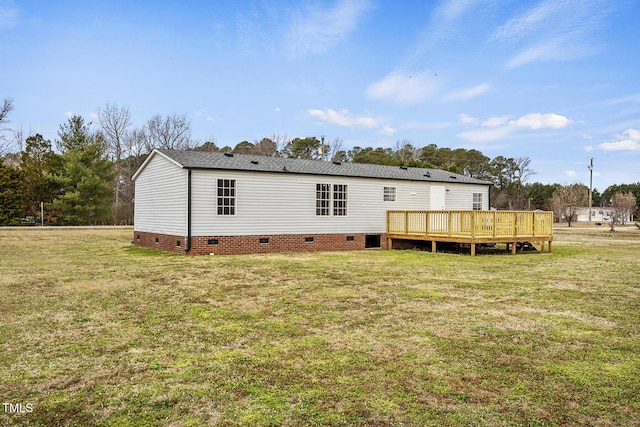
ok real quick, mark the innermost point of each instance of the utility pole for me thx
(590, 187)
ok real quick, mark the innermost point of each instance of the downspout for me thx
(188, 245)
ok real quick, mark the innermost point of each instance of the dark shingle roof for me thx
(240, 162)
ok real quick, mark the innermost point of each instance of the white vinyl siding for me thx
(460, 196)
(161, 198)
(273, 203)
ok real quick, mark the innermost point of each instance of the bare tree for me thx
(335, 147)
(18, 138)
(281, 141)
(404, 150)
(115, 121)
(7, 107)
(172, 132)
(265, 147)
(567, 200)
(134, 154)
(622, 206)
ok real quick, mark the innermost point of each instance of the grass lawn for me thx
(94, 331)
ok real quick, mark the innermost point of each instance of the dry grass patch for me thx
(97, 332)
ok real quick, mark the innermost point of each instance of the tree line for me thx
(88, 178)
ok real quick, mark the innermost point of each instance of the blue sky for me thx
(557, 81)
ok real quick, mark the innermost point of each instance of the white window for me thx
(339, 200)
(389, 194)
(323, 199)
(477, 201)
(330, 202)
(226, 197)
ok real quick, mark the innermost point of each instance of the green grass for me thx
(94, 331)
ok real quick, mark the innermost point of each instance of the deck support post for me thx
(514, 245)
(433, 246)
(549, 246)
(389, 243)
(473, 249)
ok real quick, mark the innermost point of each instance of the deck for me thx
(471, 227)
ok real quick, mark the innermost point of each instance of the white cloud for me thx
(570, 173)
(485, 135)
(316, 30)
(387, 130)
(277, 109)
(493, 122)
(468, 120)
(500, 127)
(588, 148)
(403, 89)
(211, 119)
(541, 51)
(466, 94)
(526, 23)
(69, 114)
(343, 118)
(628, 141)
(445, 24)
(554, 30)
(541, 121)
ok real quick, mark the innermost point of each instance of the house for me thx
(221, 203)
(598, 214)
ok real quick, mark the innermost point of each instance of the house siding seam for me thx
(237, 245)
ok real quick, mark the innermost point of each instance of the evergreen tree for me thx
(85, 176)
(38, 165)
(10, 195)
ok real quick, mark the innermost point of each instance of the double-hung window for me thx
(339, 200)
(226, 197)
(477, 201)
(389, 194)
(323, 199)
(331, 199)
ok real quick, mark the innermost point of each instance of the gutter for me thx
(188, 245)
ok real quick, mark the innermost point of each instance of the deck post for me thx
(426, 223)
(549, 246)
(494, 225)
(473, 224)
(389, 243)
(388, 220)
(406, 222)
(473, 249)
(514, 245)
(433, 246)
(533, 226)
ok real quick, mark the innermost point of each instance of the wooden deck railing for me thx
(508, 225)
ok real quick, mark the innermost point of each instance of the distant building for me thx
(598, 214)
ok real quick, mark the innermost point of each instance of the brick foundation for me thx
(234, 245)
